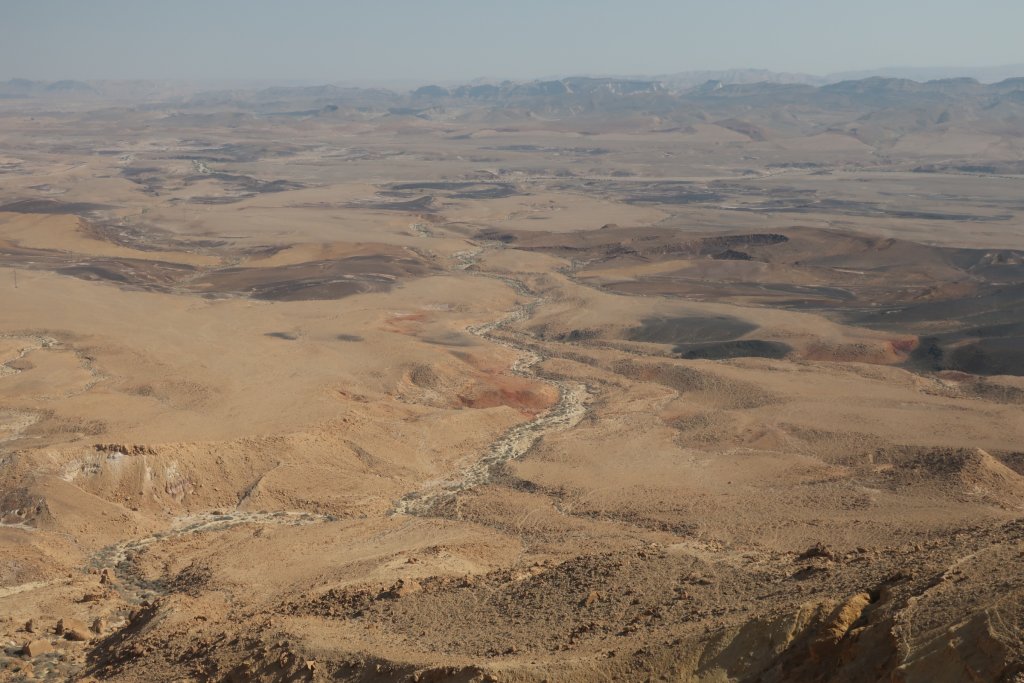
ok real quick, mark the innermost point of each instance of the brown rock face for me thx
(34, 648)
(405, 587)
(107, 576)
(839, 623)
(78, 634)
(73, 629)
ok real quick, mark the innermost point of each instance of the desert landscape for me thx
(588, 379)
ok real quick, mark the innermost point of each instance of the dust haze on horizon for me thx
(456, 40)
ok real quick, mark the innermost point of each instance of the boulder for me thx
(838, 625)
(73, 629)
(34, 648)
(405, 587)
(818, 550)
(77, 634)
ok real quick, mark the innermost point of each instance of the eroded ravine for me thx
(567, 412)
(570, 408)
(135, 588)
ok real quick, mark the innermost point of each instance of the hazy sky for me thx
(428, 40)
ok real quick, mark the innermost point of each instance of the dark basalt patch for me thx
(95, 272)
(423, 204)
(731, 255)
(489, 192)
(250, 184)
(316, 289)
(1001, 356)
(313, 280)
(449, 189)
(214, 201)
(51, 206)
(574, 335)
(559, 151)
(690, 329)
(743, 348)
(153, 275)
(433, 185)
(236, 153)
(846, 207)
(145, 237)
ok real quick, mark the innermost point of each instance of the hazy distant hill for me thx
(897, 105)
(989, 74)
(20, 87)
(985, 74)
(689, 79)
(485, 89)
(876, 110)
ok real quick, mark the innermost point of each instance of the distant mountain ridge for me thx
(876, 111)
(654, 96)
(984, 74)
(679, 82)
(566, 87)
(689, 79)
(21, 87)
